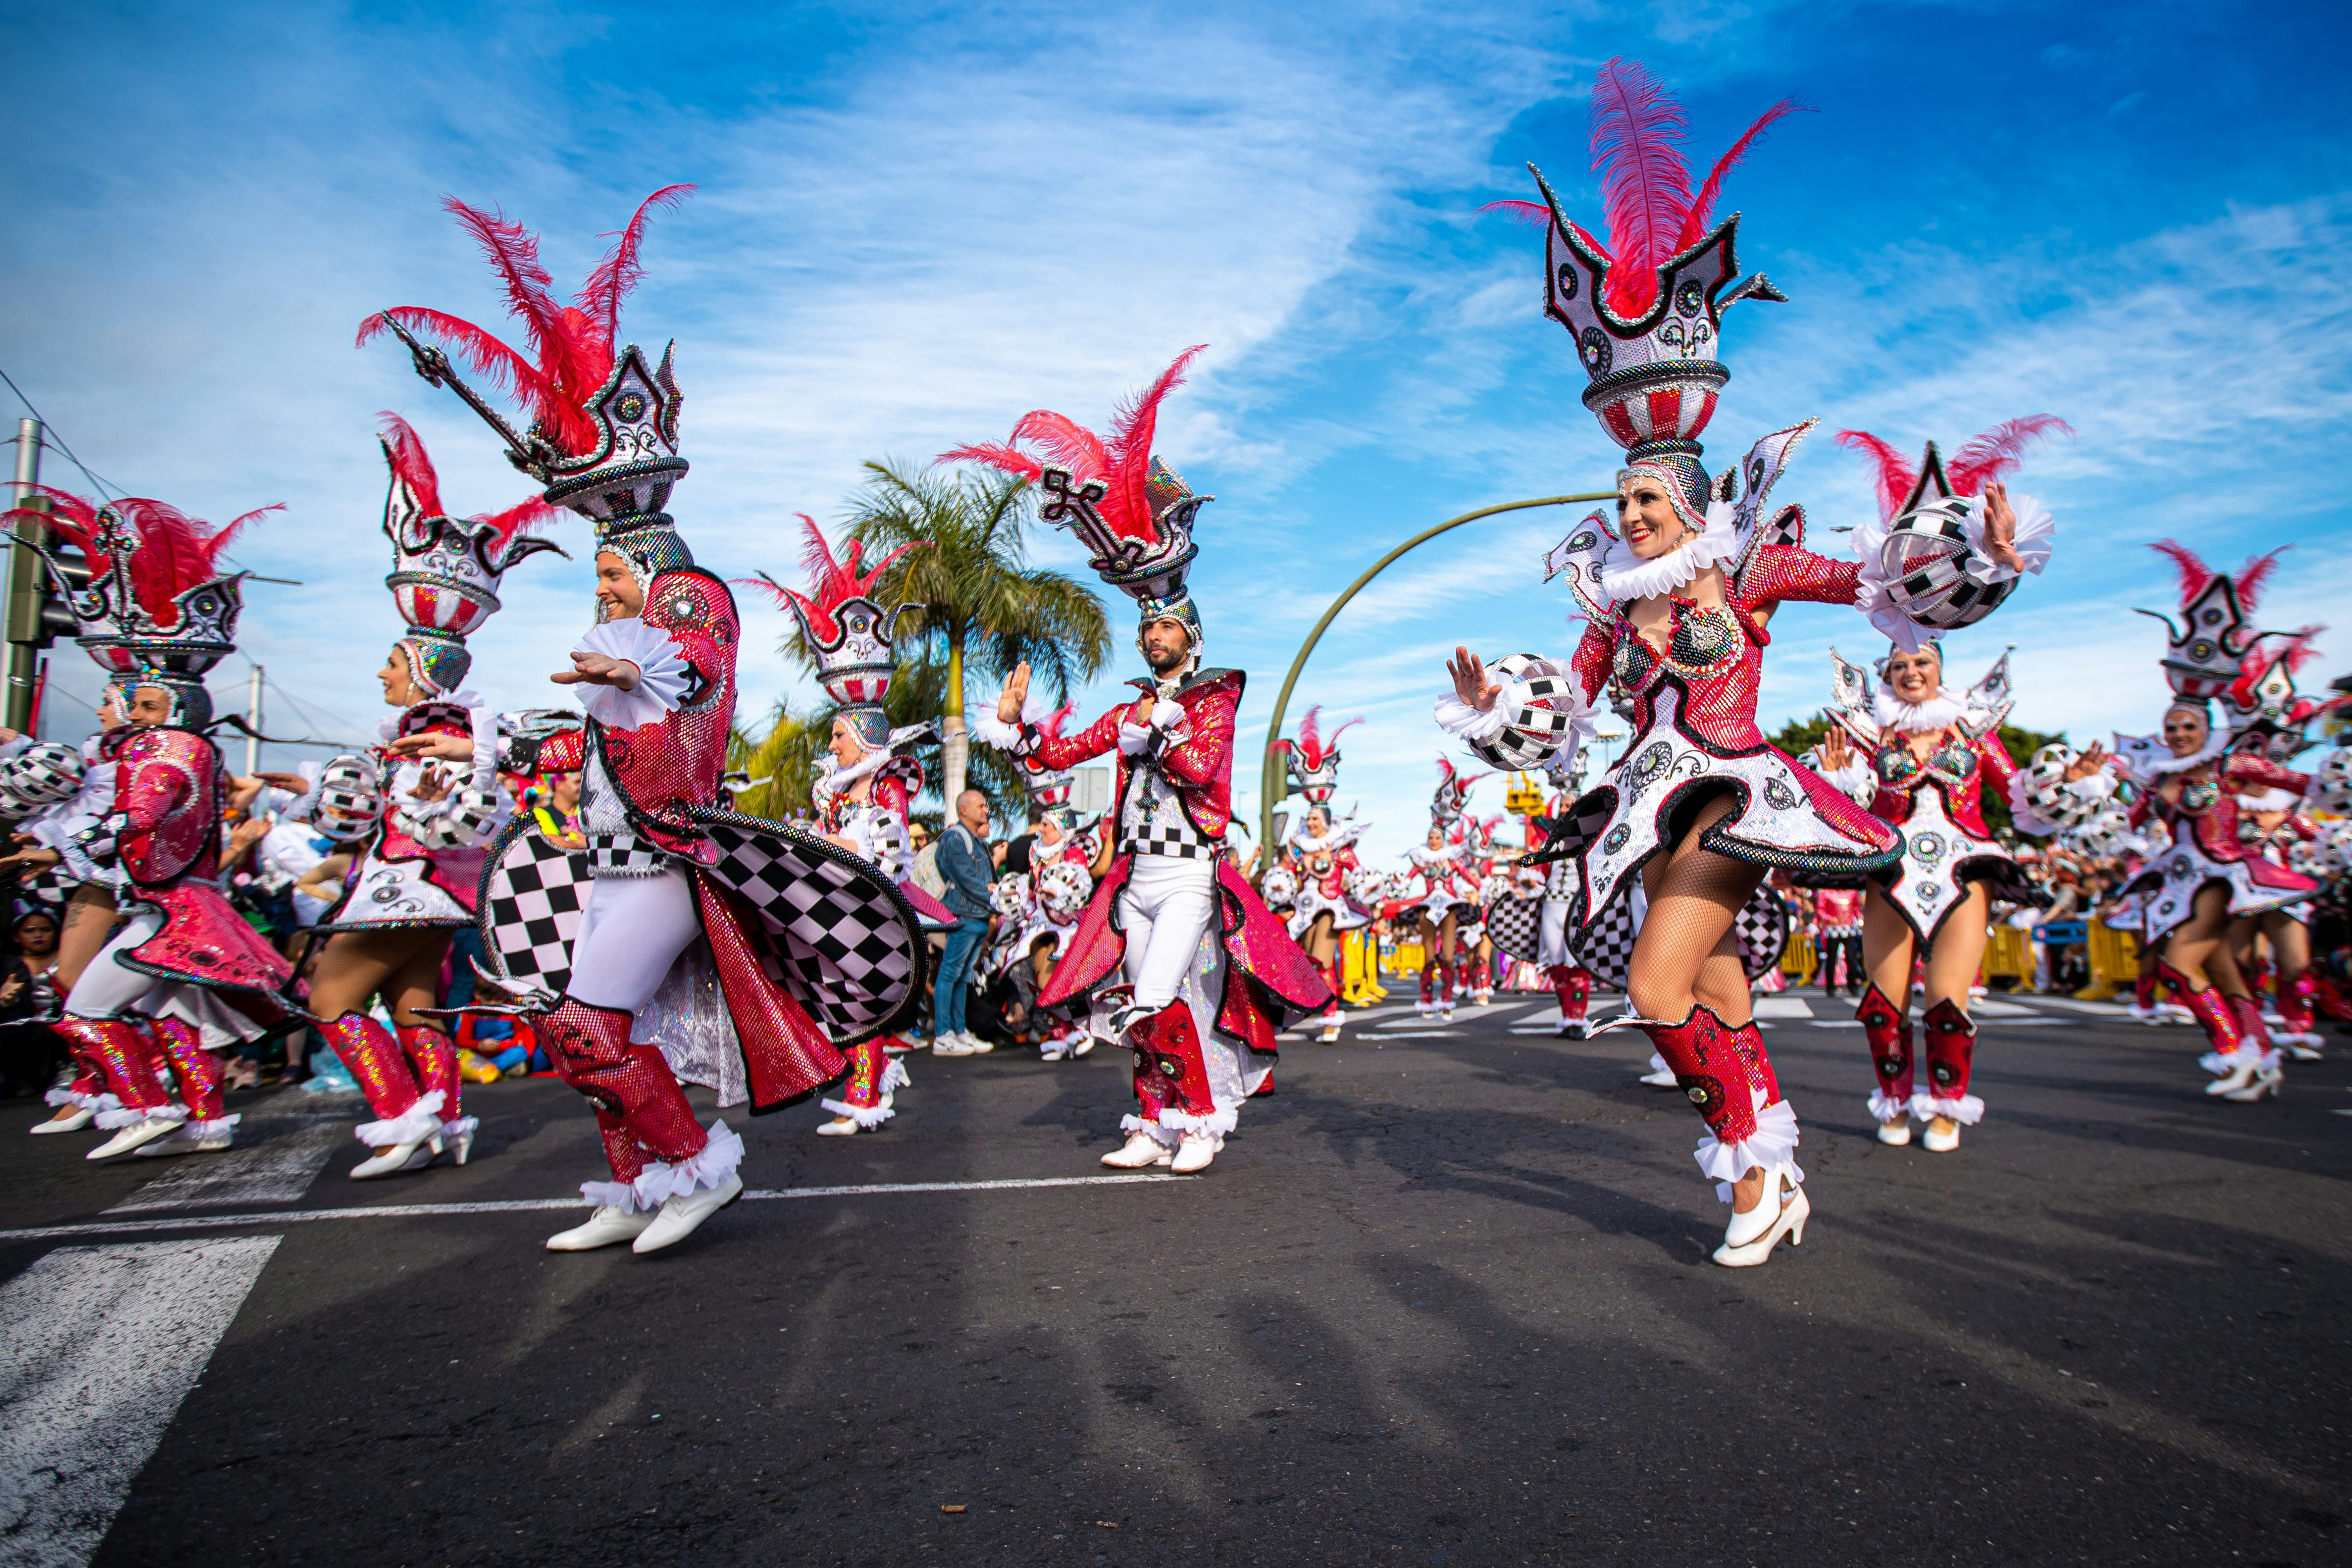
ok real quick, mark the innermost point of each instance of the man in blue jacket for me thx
(964, 867)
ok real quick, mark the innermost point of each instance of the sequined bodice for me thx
(1708, 654)
(1951, 766)
(1951, 762)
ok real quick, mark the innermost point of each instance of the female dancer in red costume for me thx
(1322, 858)
(2271, 717)
(419, 829)
(1678, 598)
(2190, 782)
(1922, 760)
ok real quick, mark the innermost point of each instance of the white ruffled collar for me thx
(833, 778)
(1939, 711)
(1626, 577)
(2216, 742)
(1339, 837)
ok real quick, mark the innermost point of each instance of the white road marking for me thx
(1783, 1007)
(529, 1205)
(277, 1172)
(98, 1347)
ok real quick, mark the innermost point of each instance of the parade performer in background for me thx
(1677, 596)
(417, 825)
(780, 945)
(1570, 980)
(1837, 938)
(1446, 889)
(2270, 719)
(868, 779)
(1921, 759)
(1474, 964)
(1043, 905)
(156, 613)
(2190, 782)
(1208, 976)
(1322, 857)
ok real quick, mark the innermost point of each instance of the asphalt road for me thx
(1444, 1299)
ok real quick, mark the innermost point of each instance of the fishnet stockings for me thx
(1687, 953)
(1887, 945)
(2198, 948)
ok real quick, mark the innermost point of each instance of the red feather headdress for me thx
(571, 346)
(1313, 749)
(835, 581)
(1654, 214)
(1992, 456)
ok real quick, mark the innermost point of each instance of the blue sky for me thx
(915, 224)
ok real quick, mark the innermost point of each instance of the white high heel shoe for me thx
(413, 1155)
(82, 1117)
(1896, 1132)
(2265, 1080)
(1660, 1075)
(1750, 1238)
(2234, 1081)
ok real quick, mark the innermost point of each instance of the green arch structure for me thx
(1273, 778)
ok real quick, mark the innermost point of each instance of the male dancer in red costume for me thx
(1210, 976)
(668, 864)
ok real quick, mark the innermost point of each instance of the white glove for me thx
(1166, 715)
(1132, 738)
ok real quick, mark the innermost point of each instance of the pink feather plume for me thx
(1995, 454)
(1897, 474)
(1702, 209)
(1637, 132)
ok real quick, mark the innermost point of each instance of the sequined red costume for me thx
(2199, 808)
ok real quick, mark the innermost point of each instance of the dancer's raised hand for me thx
(1016, 692)
(1471, 682)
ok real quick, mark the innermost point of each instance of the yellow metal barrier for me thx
(1360, 969)
(2009, 953)
(1797, 959)
(2115, 962)
(1404, 958)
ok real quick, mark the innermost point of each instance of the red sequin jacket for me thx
(678, 760)
(1200, 767)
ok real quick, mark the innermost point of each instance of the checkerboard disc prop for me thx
(832, 930)
(528, 904)
(1515, 926)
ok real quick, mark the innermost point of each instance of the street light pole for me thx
(24, 611)
(1273, 785)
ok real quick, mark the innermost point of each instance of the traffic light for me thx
(38, 612)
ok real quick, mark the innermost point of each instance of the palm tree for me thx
(989, 608)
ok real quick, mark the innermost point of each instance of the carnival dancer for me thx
(156, 612)
(1209, 976)
(1677, 596)
(1322, 857)
(2269, 718)
(1043, 904)
(2189, 780)
(1563, 968)
(416, 825)
(868, 778)
(1445, 888)
(1474, 948)
(808, 944)
(1924, 759)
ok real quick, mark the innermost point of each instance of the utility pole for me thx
(253, 723)
(23, 614)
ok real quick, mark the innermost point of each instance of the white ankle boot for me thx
(609, 1225)
(1142, 1149)
(1193, 1153)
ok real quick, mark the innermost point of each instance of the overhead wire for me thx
(50, 437)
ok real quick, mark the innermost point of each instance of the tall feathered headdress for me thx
(446, 570)
(157, 609)
(848, 632)
(1453, 793)
(1312, 761)
(2270, 716)
(602, 436)
(1647, 307)
(2207, 652)
(1129, 509)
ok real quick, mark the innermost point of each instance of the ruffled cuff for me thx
(1458, 718)
(662, 674)
(1886, 1107)
(1774, 1143)
(2035, 531)
(867, 1117)
(421, 1120)
(1855, 781)
(1165, 1137)
(1965, 1109)
(1006, 737)
(721, 1154)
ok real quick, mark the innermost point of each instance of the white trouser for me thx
(1163, 909)
(1551, 945)
(108, 989)
(632, 931)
